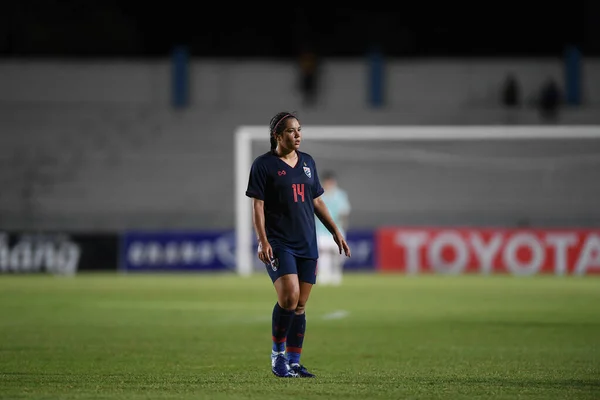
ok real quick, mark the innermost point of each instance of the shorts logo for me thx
(307, 171)
(275, 264)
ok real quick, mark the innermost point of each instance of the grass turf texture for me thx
(376, 337)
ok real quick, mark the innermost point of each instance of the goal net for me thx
(442, 176)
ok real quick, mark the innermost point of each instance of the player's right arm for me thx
(256, 190)
(265, 252)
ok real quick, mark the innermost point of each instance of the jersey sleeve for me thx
(317, 188)
(257, 181)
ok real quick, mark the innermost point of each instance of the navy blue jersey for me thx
(288, 193)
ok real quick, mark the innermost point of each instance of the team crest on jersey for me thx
(307, 171)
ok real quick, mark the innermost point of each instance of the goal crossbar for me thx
(245, 135)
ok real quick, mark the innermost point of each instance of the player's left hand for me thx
(342, 245)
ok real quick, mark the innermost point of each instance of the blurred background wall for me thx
(99, 145)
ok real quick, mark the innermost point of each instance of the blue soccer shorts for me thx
(285, 263)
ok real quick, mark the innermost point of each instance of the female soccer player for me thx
(285, 191)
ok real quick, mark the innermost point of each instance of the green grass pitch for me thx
(376, 337)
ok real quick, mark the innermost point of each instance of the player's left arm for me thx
(324, 216)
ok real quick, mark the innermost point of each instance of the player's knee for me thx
(288, 291)
(289, 298)
(289, 301)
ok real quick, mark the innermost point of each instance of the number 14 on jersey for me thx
(298, 189)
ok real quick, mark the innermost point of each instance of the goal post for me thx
(245, 136)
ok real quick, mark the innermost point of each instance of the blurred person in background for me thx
(331, 265)
(308, 78)
(511, 92)
(549, 101)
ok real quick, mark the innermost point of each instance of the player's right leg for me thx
(283, 273)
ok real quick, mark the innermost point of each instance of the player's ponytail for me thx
(276, 126)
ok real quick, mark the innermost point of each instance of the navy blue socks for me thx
(296, 338)
(280, 326)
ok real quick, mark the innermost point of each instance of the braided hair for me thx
(277, 125)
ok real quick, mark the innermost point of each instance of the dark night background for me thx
(111, 28)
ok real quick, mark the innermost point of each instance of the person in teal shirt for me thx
(330, 263)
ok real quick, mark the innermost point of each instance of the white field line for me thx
(339, 314)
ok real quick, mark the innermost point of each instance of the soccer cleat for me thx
(301, 371)
(281, 368)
